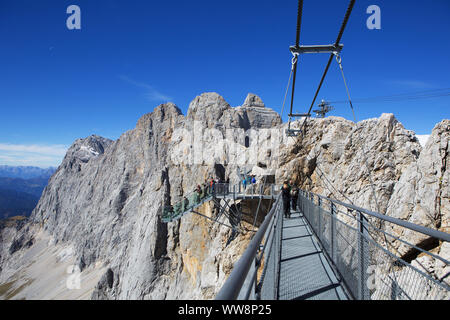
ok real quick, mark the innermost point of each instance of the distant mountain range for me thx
(21, 188)
(25, 172)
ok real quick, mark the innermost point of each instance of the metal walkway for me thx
(330, 250)
(220, 191)
(305, 273)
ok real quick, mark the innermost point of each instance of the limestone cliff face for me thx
(422, 193)
(106, 198)
(335, 157)
(422, 196)
(101, 210)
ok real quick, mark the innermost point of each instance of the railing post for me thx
(319, 209)
(275, 261)
(332, 230)
(255, 282)
(299, 201)
(303, 203)
(363, 255)
(305, 200)
(311, 208)
(279, 248)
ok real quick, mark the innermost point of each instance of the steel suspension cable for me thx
(288, 85)
(401, 97)
(338, 39)
(339, 61)
(299, 22)
(297, 44)
(202, 215)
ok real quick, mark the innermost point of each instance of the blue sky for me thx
(57, 85)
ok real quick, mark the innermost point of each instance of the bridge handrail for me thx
(362, 259)
(232, 287)
(406, 224)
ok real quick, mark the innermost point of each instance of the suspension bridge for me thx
(326, 249)
(334, 251)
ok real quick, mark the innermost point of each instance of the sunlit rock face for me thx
(379, 165)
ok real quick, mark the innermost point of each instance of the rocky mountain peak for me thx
(168, 108)
(211, 110)
(253, 100)
(85, 149)
(160, 114)
(208, 106)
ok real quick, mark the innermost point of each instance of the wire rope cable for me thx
(338, 39)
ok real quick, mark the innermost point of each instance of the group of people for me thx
(202, 191)
(206, 188)
(289, 194)
(248, 180)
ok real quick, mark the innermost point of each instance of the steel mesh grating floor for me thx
(304, 271)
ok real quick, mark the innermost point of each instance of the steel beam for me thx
(299, 115)
(316, 49)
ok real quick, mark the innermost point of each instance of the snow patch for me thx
(423, 138)
(65, 254)
(90, 150)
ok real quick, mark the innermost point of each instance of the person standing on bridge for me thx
(213, 186)
(204, 191)
(197, 194)
(286, 197)
(185, 204)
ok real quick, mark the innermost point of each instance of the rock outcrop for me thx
(422, 196)
(341, 159)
